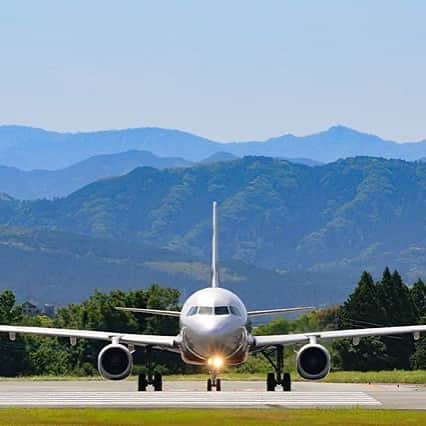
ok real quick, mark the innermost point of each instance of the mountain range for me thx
(299, 222)
(29, 148)
(35, 184)
(60, 268)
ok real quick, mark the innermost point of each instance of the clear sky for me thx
(228, 70)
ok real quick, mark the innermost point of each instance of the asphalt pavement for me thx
(100, 393)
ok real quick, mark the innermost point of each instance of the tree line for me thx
(387, 302)
(32, 355)
(384, 303)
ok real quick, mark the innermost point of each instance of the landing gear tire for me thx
(278, 377)
(158, 382)
(286, 382)
(142, 382)
(270, 382)
(209, 385)
(218, 385)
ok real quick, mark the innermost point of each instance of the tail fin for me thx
(215, 272)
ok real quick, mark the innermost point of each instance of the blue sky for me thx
(228, 70)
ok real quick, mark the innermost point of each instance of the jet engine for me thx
(115, 362)
(313, 361)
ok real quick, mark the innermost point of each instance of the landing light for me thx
(216, 362)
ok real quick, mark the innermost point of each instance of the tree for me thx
(387, 303)
(363, 305)
(397, 308)
(361, 310)
(418, 296)
(369, 354)
(99, 313)
(418, 359)
(13, 358)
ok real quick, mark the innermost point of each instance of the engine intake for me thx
(115, 362)
(313, 362)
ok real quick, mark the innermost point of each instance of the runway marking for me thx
(184, 399)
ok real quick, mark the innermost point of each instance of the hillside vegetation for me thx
(337, 218)
(35, 184)
(61, 267)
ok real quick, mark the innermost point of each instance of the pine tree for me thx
(387, 303)
(418, 295)
(361, 310)
(418, 359)
(396, 308)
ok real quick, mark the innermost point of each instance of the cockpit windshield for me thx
(192, 311)
(205, 310)
(216, 310)
(221, 310)
(235, 311)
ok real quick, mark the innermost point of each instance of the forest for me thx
(386, 302)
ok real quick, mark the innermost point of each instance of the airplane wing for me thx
(159, 342)
(289, 339)
(150, 311)
(278, 311)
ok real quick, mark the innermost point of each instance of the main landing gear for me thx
(278, 377)
(144, 380)
(150, 378)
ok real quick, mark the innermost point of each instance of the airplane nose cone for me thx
(215, 327)
(213, 335)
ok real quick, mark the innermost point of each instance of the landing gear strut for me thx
(146, 379)
(277, 378)
(214, 382)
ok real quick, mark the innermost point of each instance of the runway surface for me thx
(192, 394)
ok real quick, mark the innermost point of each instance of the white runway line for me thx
(185, 399)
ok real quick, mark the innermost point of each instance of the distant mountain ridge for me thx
(29, 148)
(61, 268)
(37, 184)
(56, 183)
(339, 218)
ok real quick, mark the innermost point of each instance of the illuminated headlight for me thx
(216, 362)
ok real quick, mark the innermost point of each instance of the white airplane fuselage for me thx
(213, 324)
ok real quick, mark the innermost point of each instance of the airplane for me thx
(214, 332)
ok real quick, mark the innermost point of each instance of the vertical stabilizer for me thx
(215, 272)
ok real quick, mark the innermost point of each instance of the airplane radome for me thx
(213, 332)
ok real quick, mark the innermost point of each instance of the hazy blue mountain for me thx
(219, 156)
(28, 148)
(226, 156)
(339, 218)
(55, 183)
(304, 161)
(36, 184)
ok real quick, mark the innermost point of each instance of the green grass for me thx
(26, 416)
(396, 376)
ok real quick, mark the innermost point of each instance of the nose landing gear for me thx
(214, 382)
(278, 377)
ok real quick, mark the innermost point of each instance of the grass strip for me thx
(209, 417)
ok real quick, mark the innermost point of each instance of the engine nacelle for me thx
(115, 362)
(313, 361)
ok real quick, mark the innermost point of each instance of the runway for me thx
(187, 394)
